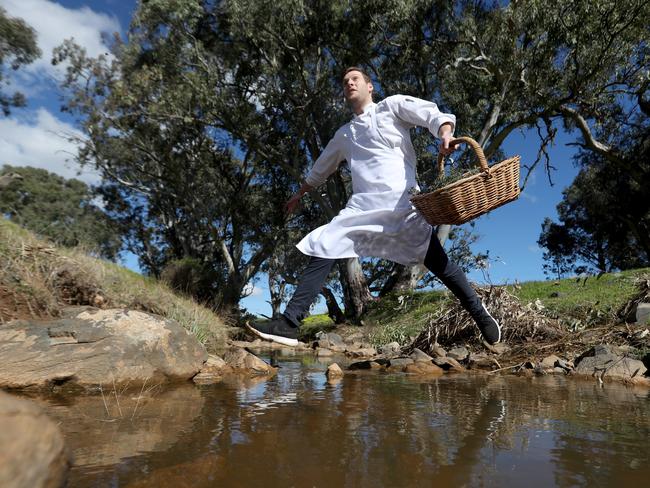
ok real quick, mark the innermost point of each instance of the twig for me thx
(507, 367)
(139, 396)
(119, 409)
(101, 390)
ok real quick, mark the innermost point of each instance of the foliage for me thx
(58, 209)
(605, 213)
(17, 48)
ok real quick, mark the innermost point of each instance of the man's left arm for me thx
(424, 113)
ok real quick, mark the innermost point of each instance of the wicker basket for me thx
(467, 198)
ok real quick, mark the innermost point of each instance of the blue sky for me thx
(34, 136)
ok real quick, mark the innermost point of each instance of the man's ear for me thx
(370, 88)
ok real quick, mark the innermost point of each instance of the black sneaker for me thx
(277, 330)
(488, 325)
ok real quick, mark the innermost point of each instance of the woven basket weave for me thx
(467, 198)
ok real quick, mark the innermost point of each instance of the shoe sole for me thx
(285, 341)
(496, 322)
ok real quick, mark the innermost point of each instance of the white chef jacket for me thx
(378, 220)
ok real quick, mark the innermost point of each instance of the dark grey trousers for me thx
(315, 274)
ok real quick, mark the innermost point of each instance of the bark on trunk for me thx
(403, 278)
(276, 290)
(356, 294)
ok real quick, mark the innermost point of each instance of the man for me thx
(378, 219)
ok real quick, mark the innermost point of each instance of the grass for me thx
(39, 280)
(577, 303)
(595, 299)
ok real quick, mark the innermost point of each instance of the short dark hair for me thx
(366, 76)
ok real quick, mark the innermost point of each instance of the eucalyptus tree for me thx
(528, 65)
(17, 47)
(154, 118)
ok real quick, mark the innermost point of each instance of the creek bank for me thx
(601, 362)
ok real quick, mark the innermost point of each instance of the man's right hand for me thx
(293, 203)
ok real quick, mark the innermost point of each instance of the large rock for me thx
(95, 347)
(32, 450)
(603, 362)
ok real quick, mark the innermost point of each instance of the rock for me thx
(558, 370)
(499, 348)
(365, 365)
(418, 356)
(391, 348)
(481, 361)
(458, 353)
(438, 351)
(94, 347)
(322, 352)
(448, 364)
(549, 362)
(564, 364)
(423, 368)
(362, 352)
(601, 362)
(330, 341)
(643, 313)
(334, 371)
(212, 371)
(398, 364)
(243, 361)
(352, 338)
(33, 453)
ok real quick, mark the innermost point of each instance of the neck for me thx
(358, 107)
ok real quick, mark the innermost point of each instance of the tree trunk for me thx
(277, 290)
(356, 294)
(409, 277)
(443, 233)
(403, 278)
(333, 310)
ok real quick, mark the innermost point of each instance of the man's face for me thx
(356, 89)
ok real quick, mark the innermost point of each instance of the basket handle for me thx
(477, 149)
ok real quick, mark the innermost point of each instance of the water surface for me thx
(367, 430)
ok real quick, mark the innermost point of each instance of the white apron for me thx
(378, 220)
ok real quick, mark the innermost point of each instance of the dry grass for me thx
(38, 280)
(521, 323)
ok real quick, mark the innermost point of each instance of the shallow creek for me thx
(367, 430)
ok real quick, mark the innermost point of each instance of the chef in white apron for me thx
(378, 220)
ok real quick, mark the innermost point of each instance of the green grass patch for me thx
(602, 296)
(400, 316)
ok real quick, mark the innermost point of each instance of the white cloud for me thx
(39, 140)
(53, 24)
(534, 249)
(251, 290)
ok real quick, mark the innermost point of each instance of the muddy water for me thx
(367, 430)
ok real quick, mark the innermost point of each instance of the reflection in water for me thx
(369, 429)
